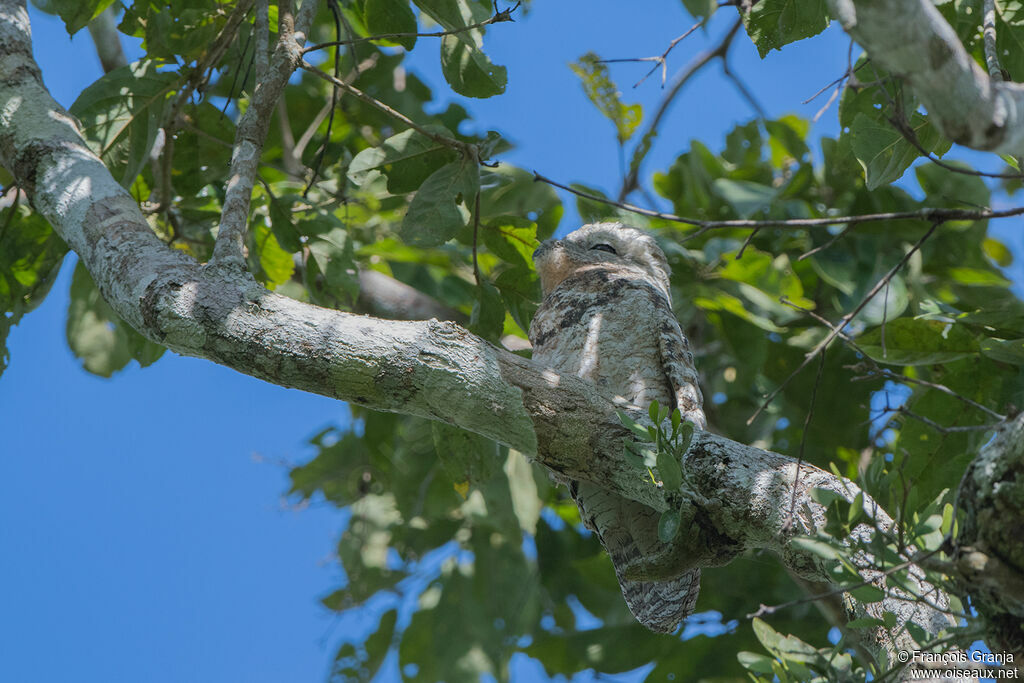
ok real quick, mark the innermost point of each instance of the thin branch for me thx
(747, 94)
(199, 74)
(319, 159)
(889, 374)
(988, 22)
(643, 147)
(903, 410)
(940, 215)
(465, 148)
(661, 59)
(908, 133)
(837, 328)
(768, 610)
(823, 247)
(803, 440)
(252, 132)
(499, 17)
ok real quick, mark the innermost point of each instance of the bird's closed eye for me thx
(605, 247)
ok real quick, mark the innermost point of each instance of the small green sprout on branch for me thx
(662, 448)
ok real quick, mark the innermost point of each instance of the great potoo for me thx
(607, 317)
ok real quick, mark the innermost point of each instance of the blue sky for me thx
(144, 535)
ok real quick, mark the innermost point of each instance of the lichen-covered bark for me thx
(990, 548)
(912, 40)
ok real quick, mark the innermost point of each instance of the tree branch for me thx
(105, 37)
(940, 215)
(251, 133)
(965, 103)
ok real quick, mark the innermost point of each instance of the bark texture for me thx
(913, 41)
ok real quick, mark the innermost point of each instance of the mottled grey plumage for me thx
(607, 318)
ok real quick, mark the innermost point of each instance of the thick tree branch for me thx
(912, 40)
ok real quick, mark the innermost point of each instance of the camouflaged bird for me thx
(607, 318)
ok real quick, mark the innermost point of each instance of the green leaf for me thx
(816, 547)
(669, 470)
(283, 226)
(746, 198)
(469, 71)
(466, 456)
(944, 187)
(652, 412)
(668, 525)
(75, 13)
(522, 488)
(685, 437)
(30, 257)
(457, 14)
(884, 153)
(512, 238)
(758, 663)
(122, 113)
(391, 16)
(602, 91)
(433, 217)
(786, 139)
(868, 594)
(774, 23)
(333, 255)
(351, 664)
(510, 191)
(638, 430)
(910, 341)
(488, 316)
(96, 334)
(274, 265)
(700, 9)
(1004, 350)
(997, 251)
(978, 277)
(406, 159)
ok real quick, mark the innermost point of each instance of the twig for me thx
(744, 91)
(908, 133)
(828, 244)
(868, 365)
(766, 610)
(499, 16)
(940, 215)
(746, 243)
(465, 148)
(837, 328)
(319, 159)
(198, 77)
(903, 410)
(889, 374)
(476, 230)
(803, 440)
(661, 59)
(252, 132)
(643, 147)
